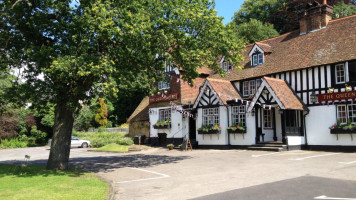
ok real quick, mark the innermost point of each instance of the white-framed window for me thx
(254, 61)
(165, 115)
(345, 113)
(238, 115)
(227, 66)
(260, 59)
(250, 87)
(164, 84)
(267, 118)
(210, 116)
(340, 73)
(342, 114)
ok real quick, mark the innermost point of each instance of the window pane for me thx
(258, 83)
(260, 58)
(352, 113)
(210, 116)
(254, 60)
(352, 71)
(267, 118)
(340, 73)
(341, 114)
(246, 86)
(252, 87)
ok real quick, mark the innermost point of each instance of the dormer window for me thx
(257, 59)
(226, 66)
(257, 56)
(164, 84)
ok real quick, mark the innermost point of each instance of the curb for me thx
(111, 188)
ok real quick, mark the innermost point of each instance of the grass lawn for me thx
(114, 148)
(35, 182)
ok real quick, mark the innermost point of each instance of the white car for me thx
(75, 142)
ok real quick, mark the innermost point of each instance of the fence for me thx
(115, 129)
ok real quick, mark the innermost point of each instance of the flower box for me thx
(209, 132)
(236, 131)
(342, 131)
(168, 126)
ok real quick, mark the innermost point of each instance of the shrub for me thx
(104, 138)
(12, 143)
(8, 127)
(101, 129)
(38, 135)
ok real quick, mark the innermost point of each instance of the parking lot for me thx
(215, 174)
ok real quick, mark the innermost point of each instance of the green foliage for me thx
(101, 129)
(342, 10)
(170, 145)
(38, 135)
(254, 31)
(101, 116)
(102, 139)
(84, 119)
(13, 143)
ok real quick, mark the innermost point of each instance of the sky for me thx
(227, 8)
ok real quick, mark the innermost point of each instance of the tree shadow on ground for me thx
(109, 163)
(21, 170)
(100, 164)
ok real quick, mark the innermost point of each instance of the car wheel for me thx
(85, 145)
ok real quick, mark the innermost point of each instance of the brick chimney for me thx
(315, 17)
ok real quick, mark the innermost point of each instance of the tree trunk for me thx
(62, 132)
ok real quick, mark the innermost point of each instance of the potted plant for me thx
(339, 128)
(180, 146)
(236, 128)
(209, 129)
(163, 124)
(170, 146)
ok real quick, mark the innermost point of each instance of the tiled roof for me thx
(291, 51)
(205, 70)
(188, 93)
(141, 112)
(224, 88)
(264, 47)
(285, 94)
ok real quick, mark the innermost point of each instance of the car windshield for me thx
(74, 138)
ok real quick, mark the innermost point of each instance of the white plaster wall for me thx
(213, 139)
(179, 127)
(318, 121)
(249, 137)
(295, 140)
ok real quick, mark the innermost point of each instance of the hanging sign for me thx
(168, 97)
(337, 96)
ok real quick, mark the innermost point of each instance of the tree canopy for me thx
(71, 52)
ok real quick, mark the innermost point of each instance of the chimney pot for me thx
(325, 2)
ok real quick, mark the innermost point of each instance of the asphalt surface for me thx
(213, 174)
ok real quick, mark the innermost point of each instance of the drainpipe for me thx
(228, 124)
(305, 130)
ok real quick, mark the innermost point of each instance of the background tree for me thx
(101, 116)
(74, 52)
(342, 10)
(254, 31)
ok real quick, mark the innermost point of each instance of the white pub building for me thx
(295, 91)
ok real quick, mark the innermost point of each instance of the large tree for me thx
(254, 31)
(71, 51)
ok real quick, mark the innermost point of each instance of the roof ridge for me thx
(342, 18)
(218, 79)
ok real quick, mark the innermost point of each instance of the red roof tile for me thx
(224, 88)
(291, 51)
(285, 94)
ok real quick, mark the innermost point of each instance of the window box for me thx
(167, 126)
(209, 132)
(342, 131)
(236, 131)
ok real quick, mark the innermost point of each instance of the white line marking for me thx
(347, 163)
(267, 154)
(145, 179)
(330, 154)
(333, 198)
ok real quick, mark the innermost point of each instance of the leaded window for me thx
(352, 113)
(226, 66)
(210, 116)
(239, 115)
(164, 84)
(342, 114)
(340, 73)
(165, 115)
(267, 119)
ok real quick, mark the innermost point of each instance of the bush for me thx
(12, 143)
(101, 129)
(102, 139)
(8, 127)
(39, 136)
